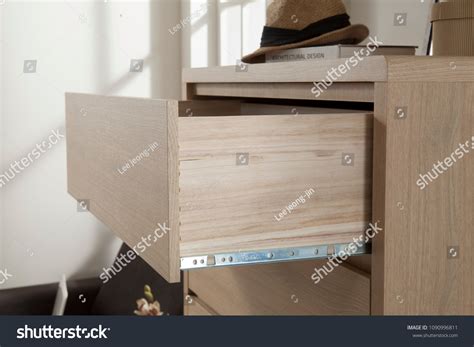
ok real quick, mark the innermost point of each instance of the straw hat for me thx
(305, 23)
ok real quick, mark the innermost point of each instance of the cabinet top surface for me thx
(370, 69)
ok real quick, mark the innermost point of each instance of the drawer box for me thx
(177, 180)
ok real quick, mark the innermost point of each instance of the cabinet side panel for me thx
(427, 250)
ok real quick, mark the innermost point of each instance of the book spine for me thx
(280, 58)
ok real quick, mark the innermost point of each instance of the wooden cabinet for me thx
(252, 170)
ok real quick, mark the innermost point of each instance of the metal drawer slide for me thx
(271, 256)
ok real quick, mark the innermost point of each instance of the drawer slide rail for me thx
(272, 256)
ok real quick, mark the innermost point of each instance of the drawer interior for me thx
(266, 180)
(186, 182)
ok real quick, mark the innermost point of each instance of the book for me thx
(335, 52)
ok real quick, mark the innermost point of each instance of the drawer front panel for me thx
(122, 161)
(282, 289)
(265, 182)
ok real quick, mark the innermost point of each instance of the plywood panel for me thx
(226, 206)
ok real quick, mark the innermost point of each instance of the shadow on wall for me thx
(42, 189)
(165, 55)
(163, 60)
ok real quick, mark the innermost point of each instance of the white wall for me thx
(1, 133)
(378, 15)
(223, 32)
(82, 47)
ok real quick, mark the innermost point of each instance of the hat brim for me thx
(353, 34)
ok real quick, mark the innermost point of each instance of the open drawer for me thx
(210, 183)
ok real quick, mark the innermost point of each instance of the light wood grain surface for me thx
(228, 207)
(370, 69)
(356, 92)
(378, 197)
(103, 135)
(416, 275)
(193, 306)
(362, 262)
(430, 69)
(282, 289)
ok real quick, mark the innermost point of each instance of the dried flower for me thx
(148, 306)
